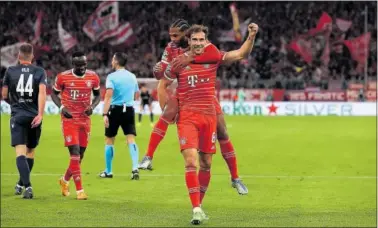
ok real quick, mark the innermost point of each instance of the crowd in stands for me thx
(271, 65)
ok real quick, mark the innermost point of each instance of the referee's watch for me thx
(105, 114)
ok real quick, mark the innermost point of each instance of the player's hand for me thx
(66, 113)
(106, 121)
(158, 67)
(89, 111)
(252, 30)
(182, 61)
(36, 121)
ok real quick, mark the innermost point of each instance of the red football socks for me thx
(228, 154)
(157, 135)
(204, 179)
(74, 170)
(192, 184)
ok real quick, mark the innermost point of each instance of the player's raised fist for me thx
(253, 29)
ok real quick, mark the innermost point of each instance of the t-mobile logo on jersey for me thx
(74, 94)
(192, 80)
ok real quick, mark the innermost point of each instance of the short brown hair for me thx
(26, 49)
(196, 29)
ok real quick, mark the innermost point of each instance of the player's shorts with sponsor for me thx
(196, 130)
(22, 133)
(121, 116)
(76, 131)
(218, 108)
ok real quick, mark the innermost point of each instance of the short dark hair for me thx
(181, 24)
(26, 49)
(197, 28)
(78, 54)
(121, 58)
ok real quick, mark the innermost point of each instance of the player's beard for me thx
(183, 43)
(80, 72)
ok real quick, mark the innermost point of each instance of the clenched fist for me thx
(252, 30)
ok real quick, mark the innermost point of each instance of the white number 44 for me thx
(28, 87)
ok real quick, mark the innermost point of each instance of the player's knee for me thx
(109, 141)
(30, 152)
(74, 150)
(20, 150)
(190, 157)
(82, 151)
(222, 133)
(130, 139)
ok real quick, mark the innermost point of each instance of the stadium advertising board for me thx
(260, 108)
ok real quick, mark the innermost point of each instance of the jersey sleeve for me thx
(6, 79)
(211, 55)
(109, 83)
(136, 85)
(58, 86)
(167, 56)
(170, 73)
(43, 78)
(96, 85)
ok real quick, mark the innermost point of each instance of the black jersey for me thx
(145, 96)
(23, 82)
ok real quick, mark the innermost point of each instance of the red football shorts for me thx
(218, 108)
(76, 132)
(197, 131)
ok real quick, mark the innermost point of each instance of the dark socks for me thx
(23, 169)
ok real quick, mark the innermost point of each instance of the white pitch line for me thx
(243, 176)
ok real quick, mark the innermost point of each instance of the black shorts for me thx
(22, 133)
(117, 118)
(145, 102)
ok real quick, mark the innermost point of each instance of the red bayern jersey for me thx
(196, 86)
(76, 92)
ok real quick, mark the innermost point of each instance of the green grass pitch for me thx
(300, 171)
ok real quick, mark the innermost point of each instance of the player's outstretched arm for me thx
(245, 49)
(211, 55)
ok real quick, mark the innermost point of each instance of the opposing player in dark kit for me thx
(24, 89)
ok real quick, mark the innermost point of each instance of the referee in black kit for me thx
(121, 87)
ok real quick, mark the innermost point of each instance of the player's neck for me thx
(120, 68)
(24, 62)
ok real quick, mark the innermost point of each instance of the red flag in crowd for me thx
(359, 47)
(102, 23)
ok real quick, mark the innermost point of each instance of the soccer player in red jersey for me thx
(174, 48)
(76, 87)
(197, 122)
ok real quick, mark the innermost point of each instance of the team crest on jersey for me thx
(72, 84)
(206, 65)
(182, 141)
(89, 84)
(68, 138)
(188, 68)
